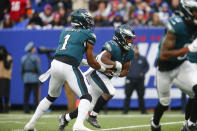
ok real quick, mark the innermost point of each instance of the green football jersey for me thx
(72, 42)
(177, 26)
(116, 52)
(192, 57)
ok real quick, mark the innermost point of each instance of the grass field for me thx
(113, 121)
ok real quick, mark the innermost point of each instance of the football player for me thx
(192, 57)
(116, 54)
(73, 43)
(172, 66)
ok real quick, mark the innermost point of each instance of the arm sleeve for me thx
(92, 38)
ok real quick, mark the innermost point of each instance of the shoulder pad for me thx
(175, 25)
(91, 36)
(110, 46)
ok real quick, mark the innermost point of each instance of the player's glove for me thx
(84, 62)
(117, 73)
(193, 46)
(118, 66)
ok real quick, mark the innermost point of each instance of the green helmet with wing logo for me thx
(121, 33)
(83, 18)
(186, 10)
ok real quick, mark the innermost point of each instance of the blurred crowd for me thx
(47, 14)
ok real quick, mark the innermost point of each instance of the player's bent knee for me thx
(87, 96)
(165, 101)
(51, 99)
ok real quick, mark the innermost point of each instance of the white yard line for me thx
(22, 116)
(138, 126)
(18, 122)
(139, 115)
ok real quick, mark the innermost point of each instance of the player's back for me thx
(72, 43)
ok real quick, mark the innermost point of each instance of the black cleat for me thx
(186, 127)
(155, 127)
(62, 122)
(93, 121)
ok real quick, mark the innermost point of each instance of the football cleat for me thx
(80, 127)
(155, 127)
(62, 122)
(93, 121)
(186, 127)
(30, 127)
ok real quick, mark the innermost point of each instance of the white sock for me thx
(190, 123)
(42, 107)
(83, 109)
(93, 113)
(67, 117)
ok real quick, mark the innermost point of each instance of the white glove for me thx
(84, 62)
(193, 46)
(118, 66)
(117, 73)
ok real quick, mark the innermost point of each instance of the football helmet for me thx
(186, 8)
(121, 34)
(81, 17)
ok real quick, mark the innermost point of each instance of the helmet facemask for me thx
(128, 43)
(90, 23)
(187, 9)
(124, 36)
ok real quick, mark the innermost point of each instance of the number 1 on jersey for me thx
(65, 42)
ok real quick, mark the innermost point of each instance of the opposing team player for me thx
(172, 66)
(73, 43)
(116, 54)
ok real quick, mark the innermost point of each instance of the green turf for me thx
(15, 121)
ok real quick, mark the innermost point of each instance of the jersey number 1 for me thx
(65, 42)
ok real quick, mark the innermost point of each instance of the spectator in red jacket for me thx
(18, 8)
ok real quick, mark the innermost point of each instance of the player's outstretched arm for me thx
(168, 50)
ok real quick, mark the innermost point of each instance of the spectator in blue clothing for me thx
(135, 81)
(165, 13)
(30, 71)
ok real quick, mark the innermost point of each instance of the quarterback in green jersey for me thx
(73, 44)
(172, 66)
(116, 54)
